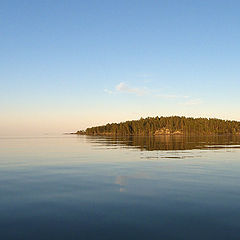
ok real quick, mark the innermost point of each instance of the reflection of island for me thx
(168, 142)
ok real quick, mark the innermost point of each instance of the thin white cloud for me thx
(193, 102)
(170, 96)
(124, 88)
(108, 91)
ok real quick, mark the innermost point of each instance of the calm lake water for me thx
(81, 187)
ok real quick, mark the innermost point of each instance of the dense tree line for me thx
(167, 125)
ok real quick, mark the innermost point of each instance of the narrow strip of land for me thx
(173, 125)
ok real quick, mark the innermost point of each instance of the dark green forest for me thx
(173, 125)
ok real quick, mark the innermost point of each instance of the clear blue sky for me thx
(67, 65)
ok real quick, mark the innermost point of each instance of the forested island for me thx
(174, 125)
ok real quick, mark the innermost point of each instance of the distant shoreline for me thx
(166, 126)
(177, 135)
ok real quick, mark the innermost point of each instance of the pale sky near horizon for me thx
(68, 65)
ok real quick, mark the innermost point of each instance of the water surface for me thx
(82, 187)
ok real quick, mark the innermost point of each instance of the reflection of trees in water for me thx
(151, 143)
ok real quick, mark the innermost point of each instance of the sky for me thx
(68, 65)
